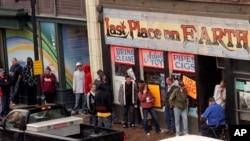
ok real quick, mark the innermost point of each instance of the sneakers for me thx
(148, 134)
(74, 112)
(124, 126)
(132, 125)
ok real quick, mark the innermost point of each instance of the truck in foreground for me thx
(52, 122)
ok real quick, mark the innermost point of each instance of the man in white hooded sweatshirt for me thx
(78, 86)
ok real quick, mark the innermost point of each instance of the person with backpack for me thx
(93, 120)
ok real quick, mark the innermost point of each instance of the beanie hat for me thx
(48, 68)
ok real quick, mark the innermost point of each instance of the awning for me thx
(12, 18)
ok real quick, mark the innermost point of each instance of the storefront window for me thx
(242, 89)
(75, 49)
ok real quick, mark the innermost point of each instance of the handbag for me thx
(1, 92)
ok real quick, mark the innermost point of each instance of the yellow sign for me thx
(190, 85)
(38, 67)
(155, 91)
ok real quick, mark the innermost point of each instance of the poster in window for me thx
(155, 90)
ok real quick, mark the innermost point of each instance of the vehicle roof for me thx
(35, 108)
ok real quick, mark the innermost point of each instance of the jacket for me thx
(103, 100)
(5, 85)
(168, 93)
(91, 103)
(122, 97)
(142, 97)
(179, 98)
(78, 81)
(88, 78)
(48, 83)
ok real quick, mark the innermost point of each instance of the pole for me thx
(34, 28)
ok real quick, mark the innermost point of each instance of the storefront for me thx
(61, 43)
(198, 50)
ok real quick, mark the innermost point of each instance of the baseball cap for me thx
(78, 64)
(1, 70)
(181, 84)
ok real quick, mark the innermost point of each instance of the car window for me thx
(45, 115)
(13, 120)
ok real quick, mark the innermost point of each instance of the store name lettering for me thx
(124, 55)
(153, 59)
(233, 37)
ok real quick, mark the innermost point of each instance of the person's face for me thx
(128, 80)
(14, 62)
(79, 67)
(222, 84)
(47, 72)
(104, 77)
(1, 74)
(169, 82)
(93, 88)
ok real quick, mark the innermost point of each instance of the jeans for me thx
(204, 129)
(93, 120)
(151, 111)
(104, 122)
(5, 100)
(77, 101)
(114, 118)
(84, 102)
(169, 118)
(183, 113)
(15, 88)
(128, 111)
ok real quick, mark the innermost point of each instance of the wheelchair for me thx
(218, 132)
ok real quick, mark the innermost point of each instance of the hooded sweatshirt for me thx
(88, 78)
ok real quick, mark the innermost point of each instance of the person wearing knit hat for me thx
(48, 83)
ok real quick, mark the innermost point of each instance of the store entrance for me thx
(208, 75)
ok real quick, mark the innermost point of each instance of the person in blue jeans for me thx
(178, 100)
(169, 111)
(147, 100)
(78, 87)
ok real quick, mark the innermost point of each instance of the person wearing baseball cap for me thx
(179, 100)
(78, 87)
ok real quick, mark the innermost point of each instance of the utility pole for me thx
(35, 44)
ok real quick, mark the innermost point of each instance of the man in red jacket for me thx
(88, 81)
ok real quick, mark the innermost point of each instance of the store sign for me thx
(183, 62)
(210, 36)
(151, 58)
(190, 85)
(123, 55)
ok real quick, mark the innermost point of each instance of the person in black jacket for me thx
(5, 88)
(103, 102)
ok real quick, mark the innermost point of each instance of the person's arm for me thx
(142, 97)
(172, 98)
(120, 97)
(74, 82)
(19, 74)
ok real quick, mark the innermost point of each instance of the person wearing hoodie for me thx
(88, 80)
(5, 89)
(30, 82)
(103, 102)
(48, 83)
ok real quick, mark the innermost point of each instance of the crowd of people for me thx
(22, 79)
(97, 98)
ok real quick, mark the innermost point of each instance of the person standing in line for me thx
(30, 82)
(48, 83)
(16, 77)
(103, 102)
(97, 81)
(147, 101)
(78, 86)
(220, 93)
(5, 89)
(179, 101)
(169, 112)
(88, 80)
(128, 98)
(91, 105)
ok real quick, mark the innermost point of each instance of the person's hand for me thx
(171, 106)
(74, 91)
(144, 91)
